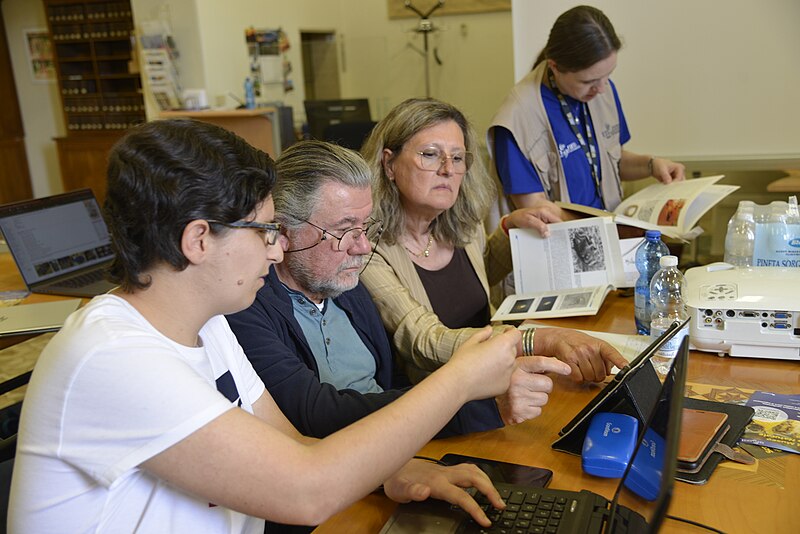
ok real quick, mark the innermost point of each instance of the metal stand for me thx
(425, 27)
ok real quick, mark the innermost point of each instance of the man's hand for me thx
(590, 359)
(529, 390)
(420, 479)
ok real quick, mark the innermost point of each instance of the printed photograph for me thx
(587, 250)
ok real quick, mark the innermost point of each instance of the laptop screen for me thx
(56, 235)
(646, 486)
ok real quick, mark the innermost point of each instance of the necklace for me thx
(425, 253)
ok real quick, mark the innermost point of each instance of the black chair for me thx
(348, 134)
(8, 447)
(9, 419)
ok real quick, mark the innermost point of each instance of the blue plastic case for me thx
(609, 444)
(644, 478)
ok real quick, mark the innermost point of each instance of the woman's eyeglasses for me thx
(269, 231)
(433, 158)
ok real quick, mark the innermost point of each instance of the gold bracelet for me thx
(527, 342)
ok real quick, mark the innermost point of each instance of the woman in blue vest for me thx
(559, 134)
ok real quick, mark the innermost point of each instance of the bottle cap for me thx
(668, 261)
(652, 234)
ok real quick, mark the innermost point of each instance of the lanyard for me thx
(587, 144)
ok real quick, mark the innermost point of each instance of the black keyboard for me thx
(528, 511)
(81, 280)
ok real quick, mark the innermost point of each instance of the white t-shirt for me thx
(108, 393)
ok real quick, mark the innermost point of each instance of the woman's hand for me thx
(420, 479)
(667, 171)
(536, 217)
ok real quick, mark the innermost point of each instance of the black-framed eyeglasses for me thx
(372, 229)
(433, 158)
(268, 231)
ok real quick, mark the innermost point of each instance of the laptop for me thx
(548, 510)
(35, 318)
(61, 244)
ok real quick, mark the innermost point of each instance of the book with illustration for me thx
(568, 273)
(674, 208)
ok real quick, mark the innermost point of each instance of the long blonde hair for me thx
(477, 193)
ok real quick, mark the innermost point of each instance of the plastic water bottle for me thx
(740, 239)
(778, 229)
(647, 263)
(668, 297)
(249, 93)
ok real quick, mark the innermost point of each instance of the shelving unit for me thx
(99, 82)
(98, 76)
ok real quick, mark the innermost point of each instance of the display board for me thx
(714, 79)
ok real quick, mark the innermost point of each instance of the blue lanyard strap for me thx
(587, 143)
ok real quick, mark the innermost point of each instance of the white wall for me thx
(383, 59)
(39, 102)
(377, 60)
(713, 79)
(376, 57)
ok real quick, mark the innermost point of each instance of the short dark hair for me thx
(164, 174)
(579, 38)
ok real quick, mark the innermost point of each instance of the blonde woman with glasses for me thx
(432, 270)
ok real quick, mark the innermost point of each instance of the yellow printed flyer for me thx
(776, 422)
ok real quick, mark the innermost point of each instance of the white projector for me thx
(751, 312)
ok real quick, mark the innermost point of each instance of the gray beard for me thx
(323, 289)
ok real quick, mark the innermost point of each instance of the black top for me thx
(456, 293)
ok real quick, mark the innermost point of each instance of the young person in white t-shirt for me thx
(144, 415)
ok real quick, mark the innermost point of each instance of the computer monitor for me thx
(323, 113)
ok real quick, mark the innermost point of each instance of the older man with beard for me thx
(313, 333)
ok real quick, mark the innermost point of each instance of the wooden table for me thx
(737, 499)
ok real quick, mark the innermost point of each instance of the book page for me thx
(550, 304)
(678, 205)
(583, 253)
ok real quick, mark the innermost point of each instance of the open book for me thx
(569, 273)
(674, 208)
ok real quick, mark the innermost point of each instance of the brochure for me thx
(674, 208)
(569, 273)
(776, 422)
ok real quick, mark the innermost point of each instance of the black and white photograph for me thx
(587, 249)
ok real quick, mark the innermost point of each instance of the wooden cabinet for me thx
(99, 82)
(83, 161)
(15, 182)
(259, 126)
(98, 76)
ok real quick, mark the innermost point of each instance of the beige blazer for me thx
(420, 340)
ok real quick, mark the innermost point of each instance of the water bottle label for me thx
(777, 245)
(670, 348)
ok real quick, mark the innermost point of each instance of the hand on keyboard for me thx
(419, 480)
